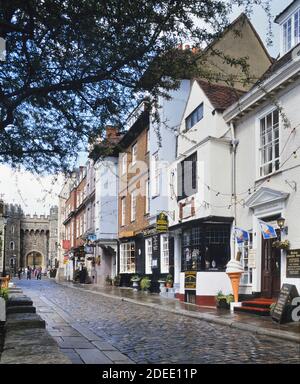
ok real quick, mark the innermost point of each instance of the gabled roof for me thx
(220, 96)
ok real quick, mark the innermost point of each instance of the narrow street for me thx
(145, 335)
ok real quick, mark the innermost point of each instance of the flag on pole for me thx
(241, 235)
(267, 230)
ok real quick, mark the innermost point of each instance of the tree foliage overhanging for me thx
(72, 66)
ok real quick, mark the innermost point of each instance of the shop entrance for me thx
(190, 297)
(271, 260)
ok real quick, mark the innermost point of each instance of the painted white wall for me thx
(210, 283)
(106, 198)
(170, 112)
(247, 132)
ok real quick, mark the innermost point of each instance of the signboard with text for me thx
(293, 263)
(190, 279)
(162, 223)
(286, 295)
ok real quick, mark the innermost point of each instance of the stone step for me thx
(21, 309)
(253, 310)
(24, 320)
(18, 300)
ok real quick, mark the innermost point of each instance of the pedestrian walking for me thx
(19, 273)
(28, 273)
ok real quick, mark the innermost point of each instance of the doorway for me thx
(271, 264)
(34, 259)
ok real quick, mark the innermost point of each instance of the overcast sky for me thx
(37, 194)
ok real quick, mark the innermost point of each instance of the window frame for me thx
(164, 266)
(148, 256)
(133, 204)
(247, 276)
(124, 164)
(291, 32)
(127, 252)
(147, 197)
(123, 211)
(156, 175)
(189, 172)
(194, 117)
(275, 161)
(134, 154)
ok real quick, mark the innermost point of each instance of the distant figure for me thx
(39, 273)
(19, 273)
(28, 273)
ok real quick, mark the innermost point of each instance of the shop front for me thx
(204, 248)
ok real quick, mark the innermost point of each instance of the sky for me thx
(37, 194)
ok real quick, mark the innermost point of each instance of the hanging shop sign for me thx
(190, 279)
(162, 223)
(89, 249)
(286, 295)
(293, 263)
(91, 237)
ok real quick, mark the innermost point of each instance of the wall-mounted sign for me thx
(293, 263)
(162, 223)
(252, 258)
(190, 279)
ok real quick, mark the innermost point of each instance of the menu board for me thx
(293, 263)
(287, 293)
(190, 278)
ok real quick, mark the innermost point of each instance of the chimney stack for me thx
(111, 132)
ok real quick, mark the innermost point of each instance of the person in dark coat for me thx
(19, 273)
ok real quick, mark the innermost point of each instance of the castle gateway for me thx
(30, 239)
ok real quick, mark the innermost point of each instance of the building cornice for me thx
(260, 93)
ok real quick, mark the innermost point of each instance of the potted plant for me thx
(108, 280)
(223, 301)
(162, 283)
(285, 244)
(117, 280)
(135, 282)
(169, 281)
(145, 284)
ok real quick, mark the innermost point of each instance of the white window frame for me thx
(148, 256)
(274, 160)
(133, 199)
(164, 254)
(294, 34)
(123, 211)
(147, 196)
(124, 164)
(134, 154)
(156, 175)
(127, 257)
(247, 276)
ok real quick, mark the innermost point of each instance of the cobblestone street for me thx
(148, 336)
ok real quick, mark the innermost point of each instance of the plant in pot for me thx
(117, 280)
(135, 282)
(169, 281)
(108, 280)
(162, 283)
(223, 301)
(145, 284)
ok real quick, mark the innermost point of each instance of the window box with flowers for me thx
(285, 244)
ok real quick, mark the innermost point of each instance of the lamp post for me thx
(280, 223)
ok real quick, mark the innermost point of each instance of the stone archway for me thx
(35, 259)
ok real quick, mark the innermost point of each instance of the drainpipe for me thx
(234, 144)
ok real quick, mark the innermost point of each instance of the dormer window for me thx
(291, 32)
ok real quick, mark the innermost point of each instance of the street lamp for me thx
(280, 223)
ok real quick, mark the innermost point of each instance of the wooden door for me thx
(270, 274)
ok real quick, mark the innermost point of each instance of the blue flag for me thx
(267, 230)
(241, 235)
